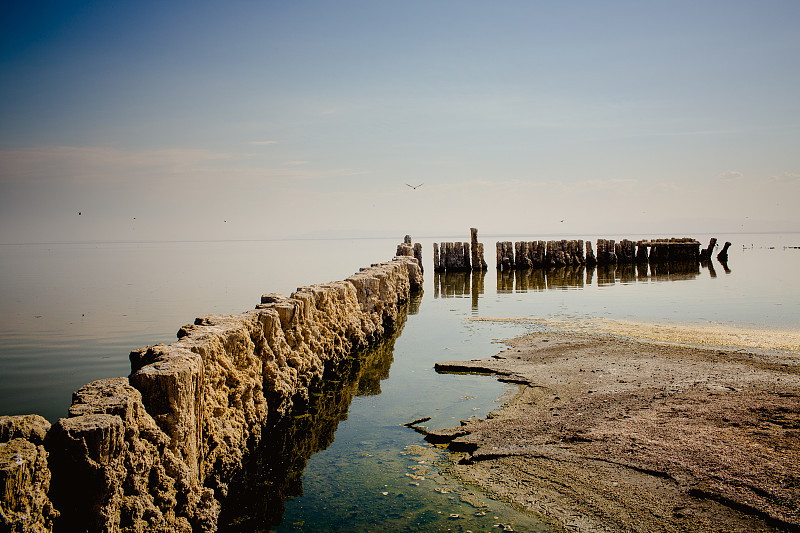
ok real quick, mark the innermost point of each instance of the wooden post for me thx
(722, 257)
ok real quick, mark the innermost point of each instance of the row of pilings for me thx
(459, 256)
(551, 254)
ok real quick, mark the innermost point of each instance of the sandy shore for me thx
(620, 428)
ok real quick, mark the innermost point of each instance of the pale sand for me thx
(749, 339)
(623, 426)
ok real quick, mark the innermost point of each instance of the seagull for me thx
(420, 185)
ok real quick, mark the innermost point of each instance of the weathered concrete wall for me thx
(154, 451)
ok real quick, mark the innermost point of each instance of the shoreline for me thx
(617, 431)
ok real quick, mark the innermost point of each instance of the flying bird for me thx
(420, 185)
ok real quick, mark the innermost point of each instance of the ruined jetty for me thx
(459, 256)
(550, 254)
(155, 451)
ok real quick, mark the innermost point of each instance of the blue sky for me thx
(249, 120)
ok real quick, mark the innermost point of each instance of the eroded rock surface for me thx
(614, 434)
(155, 451)
(24, 475)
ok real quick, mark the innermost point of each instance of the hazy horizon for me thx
(252, 121)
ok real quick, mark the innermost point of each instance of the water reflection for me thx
(273, 473)
(575, 277)
(453, 284)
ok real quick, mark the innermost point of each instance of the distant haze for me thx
(256, 120)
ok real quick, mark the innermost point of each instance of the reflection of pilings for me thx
(453, 284)
(674, 271)
(505, 281)
(570, 277)
(710, 266)
(589, 273)
(606, 275)
(521, 278)
(626, 273)
(642, 271)
(450, 284)
(539, 279)
(477, 286)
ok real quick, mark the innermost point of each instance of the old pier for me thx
(459, 256)
(548, 254)
(155, 451)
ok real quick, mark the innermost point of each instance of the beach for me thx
(631, 427)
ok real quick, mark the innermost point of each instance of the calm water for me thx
(70, 313)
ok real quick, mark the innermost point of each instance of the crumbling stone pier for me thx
(406, 249)
(156, 450)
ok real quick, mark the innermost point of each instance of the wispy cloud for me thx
(787, 177)
(730, 175)
(77, 165)
(612, 183)
(98, 163)
(329, 173)
(263, 143)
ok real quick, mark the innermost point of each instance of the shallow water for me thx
(70, 313)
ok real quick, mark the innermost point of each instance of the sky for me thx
(145, 120)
